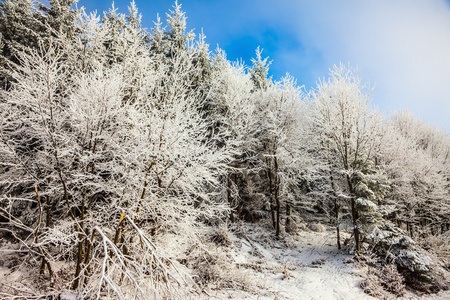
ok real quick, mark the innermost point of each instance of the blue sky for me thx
(402, 47)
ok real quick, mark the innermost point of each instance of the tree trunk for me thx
(239, 204)
(288, 215)
(272, 200)
(230, 200)
(338, 233)
(277, 198)
(336, 212)
(354, 216)
(272, 211)
(355, 225)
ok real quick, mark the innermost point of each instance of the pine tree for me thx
(176, 38)
(260, 71)
(59, 19)
(115, 44)
(19, 27)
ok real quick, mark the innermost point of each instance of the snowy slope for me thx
(304, 266)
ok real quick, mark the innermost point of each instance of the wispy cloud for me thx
(402, 47)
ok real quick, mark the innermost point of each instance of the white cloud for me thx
(403, 47)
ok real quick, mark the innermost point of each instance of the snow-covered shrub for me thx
(380, 281)
(221, 236)
(214, 267)
(294, 224)
(391, 280)
(317, 227)
(371, 286)
(439, 245)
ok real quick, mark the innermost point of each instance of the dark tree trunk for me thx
(354, 216)
(272, 200)
(277, 198)
(336, 211)
(338, 233)
(356, 229)
(230, 200)
(273, 213)
(288, 215)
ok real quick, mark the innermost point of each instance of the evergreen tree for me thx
(59, 19)
(177, 39)
(114, 25)
(20, 22)
(260, 71)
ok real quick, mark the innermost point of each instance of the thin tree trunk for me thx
(277, 198)
(336, 212)
(239, 204)
(354, 216)
(338, 233)
(288, 215)
(80, 249)
(272, 206)
(272, 211)
(230, 200)
(356, 229)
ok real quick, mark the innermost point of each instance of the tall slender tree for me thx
(345, 122)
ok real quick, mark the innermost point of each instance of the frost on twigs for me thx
(80, 152)
(136, 270)
(440, 246)
(388, 279)
(214, 268)
(221, 236)
(371, 286)
(113, 139)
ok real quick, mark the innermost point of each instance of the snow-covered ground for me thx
(304, 266)
(255, 265)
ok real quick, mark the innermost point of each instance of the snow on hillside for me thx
(306, 266)
(245, 262)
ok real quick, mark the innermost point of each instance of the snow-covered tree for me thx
(59, 18)
(283, 125)
(177, 38)
(113, 138)
(110, 161)
(416, 159)
(232, 110)
(260, 71)
(19, 26)
(347, 128)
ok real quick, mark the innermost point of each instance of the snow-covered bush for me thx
(109, 155)
(387, 279)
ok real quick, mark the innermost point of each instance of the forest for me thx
(119, 144)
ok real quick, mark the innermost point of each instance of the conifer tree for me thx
(59, 19)
(176, 38)
(260, 71)
(19, 27)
